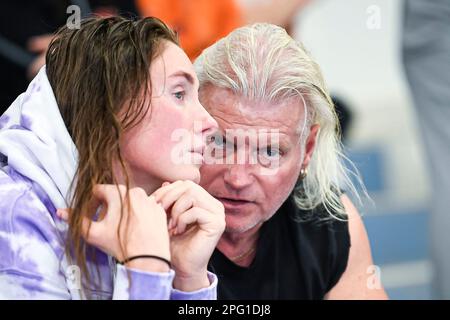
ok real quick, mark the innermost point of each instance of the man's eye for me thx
(218, 140)
(270, 152)
(179, 95)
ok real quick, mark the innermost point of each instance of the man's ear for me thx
(310, 144)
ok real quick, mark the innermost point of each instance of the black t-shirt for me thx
(295, 259)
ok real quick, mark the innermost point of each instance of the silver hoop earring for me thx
(303, 173)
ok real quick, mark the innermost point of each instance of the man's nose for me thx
(239, 176)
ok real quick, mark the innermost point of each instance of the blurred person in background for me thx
(200, 23)
(426, 54)
(26, 28)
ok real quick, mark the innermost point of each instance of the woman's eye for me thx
(179, 95)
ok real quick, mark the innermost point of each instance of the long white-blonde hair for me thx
(262, 62)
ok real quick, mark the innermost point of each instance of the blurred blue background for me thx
(365, 70)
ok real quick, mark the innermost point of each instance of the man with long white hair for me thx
(276, 166)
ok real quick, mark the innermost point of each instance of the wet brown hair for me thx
(97, 71)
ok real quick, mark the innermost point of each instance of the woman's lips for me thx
(198, 157)
(197, 154)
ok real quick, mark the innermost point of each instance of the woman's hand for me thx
(197, 221)
(142, 229)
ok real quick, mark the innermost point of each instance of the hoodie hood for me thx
(34, 141)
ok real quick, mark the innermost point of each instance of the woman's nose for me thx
(209, 124)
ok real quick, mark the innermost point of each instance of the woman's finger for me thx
(109, 193)
(89, 228)
(182, 204)
(172, 195)
(63, 214)
(201, 197)
(193, 216)
(91, 231)
(166, 187)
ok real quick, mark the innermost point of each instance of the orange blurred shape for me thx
(106, 11)
(199, 23)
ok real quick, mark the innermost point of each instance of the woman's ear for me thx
(310, 144)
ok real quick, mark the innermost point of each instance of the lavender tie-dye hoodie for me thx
(37, 164)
